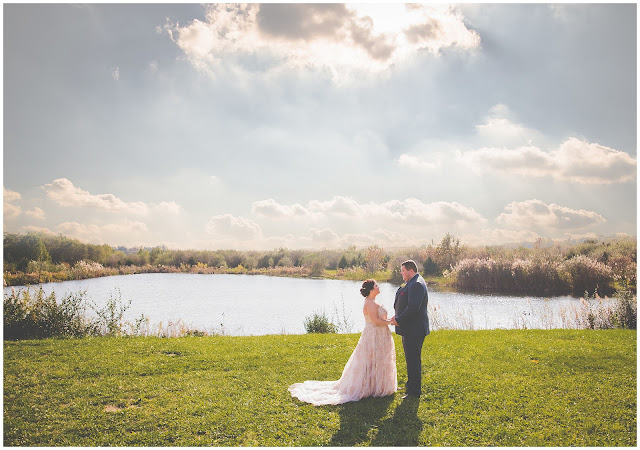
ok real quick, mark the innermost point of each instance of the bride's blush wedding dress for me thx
(370, 371)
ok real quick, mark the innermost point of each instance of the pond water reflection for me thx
(259, 305)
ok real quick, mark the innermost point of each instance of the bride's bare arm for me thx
(372, 312)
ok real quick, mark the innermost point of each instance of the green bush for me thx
(110, 316)
(319, 323)
(430, 267)
(28, 315)
(41, 316)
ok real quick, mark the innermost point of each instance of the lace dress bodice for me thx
(382, 314)
(370, 371)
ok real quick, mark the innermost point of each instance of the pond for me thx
(258, 305)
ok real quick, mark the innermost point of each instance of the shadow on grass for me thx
(360, 419)
(403, 428)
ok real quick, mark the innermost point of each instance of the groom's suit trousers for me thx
(413, 355)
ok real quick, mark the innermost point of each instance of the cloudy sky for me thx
(319, 126)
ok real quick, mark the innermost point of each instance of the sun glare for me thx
(387, 18)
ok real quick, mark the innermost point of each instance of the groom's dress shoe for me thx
(410, 396)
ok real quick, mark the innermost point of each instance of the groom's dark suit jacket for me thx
(411, 308)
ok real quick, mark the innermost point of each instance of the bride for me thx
(371, 369)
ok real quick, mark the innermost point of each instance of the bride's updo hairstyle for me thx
(367, 286)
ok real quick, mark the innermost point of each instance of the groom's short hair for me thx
(410, 265)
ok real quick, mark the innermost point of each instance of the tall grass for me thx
(593, 312)
(341, 318)
(599, 313)
(535, 275)
(37, 315)
(31, 314)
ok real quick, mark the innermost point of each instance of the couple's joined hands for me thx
(393, 321)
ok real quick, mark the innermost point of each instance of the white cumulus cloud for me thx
(398, 212)
(226, 225)
(325, 236)
(36, 213)
(342, 38)
(64, 193)
(10, 196)
(271, 208)
(497, 236)
(418, 163)
(535, 213)
(338, 206)
(592, 163)
(167, 207)
(500, 128)
(574, 161)
(9, 209)
(36, 229)
(125, 233)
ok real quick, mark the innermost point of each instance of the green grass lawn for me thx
(505, 387)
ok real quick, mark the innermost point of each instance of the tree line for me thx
(22, 249)
(489, 267)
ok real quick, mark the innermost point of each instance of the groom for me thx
(412, 323)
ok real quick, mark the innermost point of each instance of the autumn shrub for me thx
(624, 268)
(482, 273)
(585, 274)
(317, 267)
(531, 275)
(578, 275)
